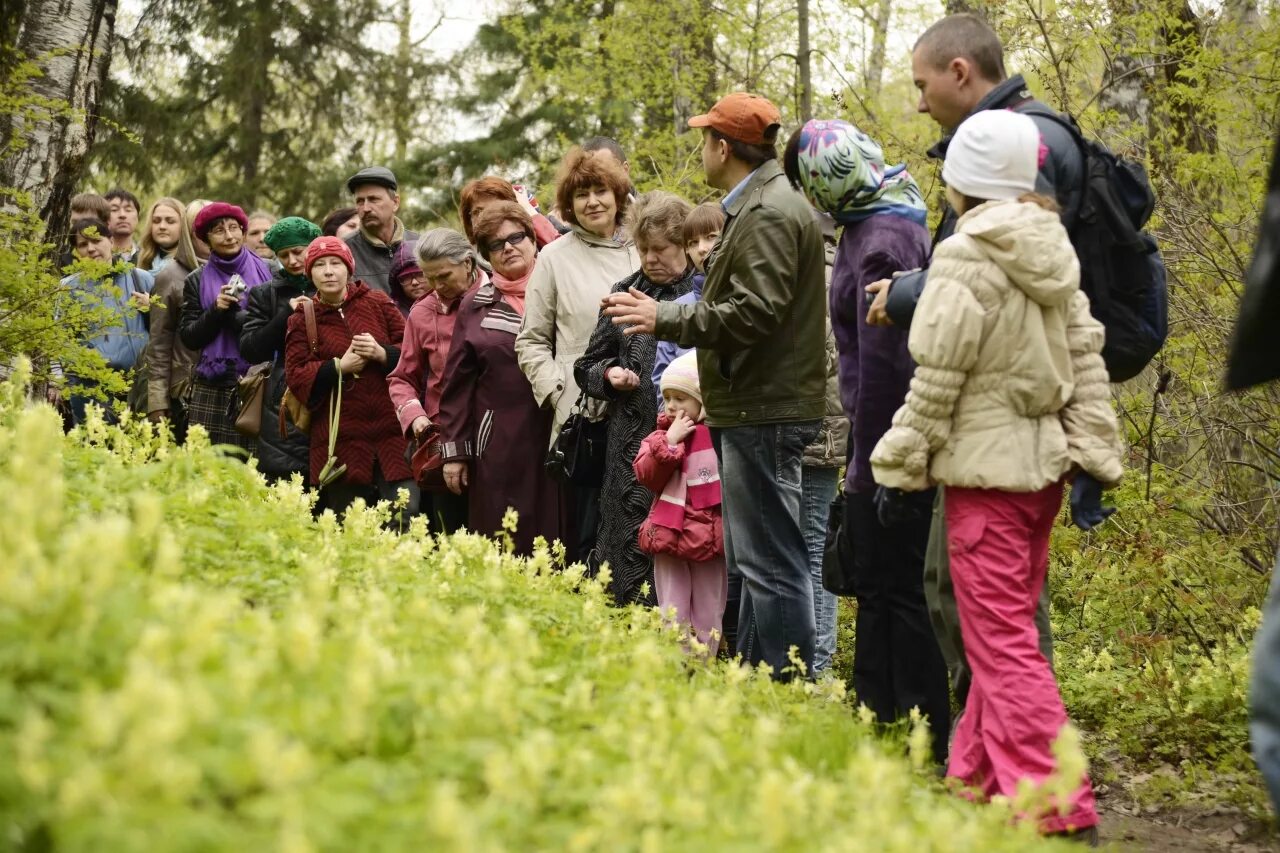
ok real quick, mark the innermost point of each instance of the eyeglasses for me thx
(226, 229)
(515, 239)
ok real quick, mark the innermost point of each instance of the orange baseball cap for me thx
(742, 116)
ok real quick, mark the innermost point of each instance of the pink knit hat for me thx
(211, 213)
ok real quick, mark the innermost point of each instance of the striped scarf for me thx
(696, 484)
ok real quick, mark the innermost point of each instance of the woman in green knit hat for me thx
(262, 339)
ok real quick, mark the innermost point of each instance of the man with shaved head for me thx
(958, 67)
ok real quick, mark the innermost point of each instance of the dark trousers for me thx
(897, 665)
(586, 524)
(341, 495)
(445, 511)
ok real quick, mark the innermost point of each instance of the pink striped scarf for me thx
(696, 484)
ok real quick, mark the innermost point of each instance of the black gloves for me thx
(1087, 511)
(894, 506)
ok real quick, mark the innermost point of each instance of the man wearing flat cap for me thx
(761, 340)
(377, 198)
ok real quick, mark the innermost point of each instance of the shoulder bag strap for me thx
(309, 313)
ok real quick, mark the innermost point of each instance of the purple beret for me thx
(211, 213)
(405, 260)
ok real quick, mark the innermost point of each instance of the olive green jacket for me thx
(759, 328)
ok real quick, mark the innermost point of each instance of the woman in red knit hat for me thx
(358, 333)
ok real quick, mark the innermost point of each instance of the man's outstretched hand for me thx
(639, 313)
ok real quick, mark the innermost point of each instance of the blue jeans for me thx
(762, 499)
(1264, 698)
(819, 487)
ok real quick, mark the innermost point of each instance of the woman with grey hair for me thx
(495, 433)
(449, 264)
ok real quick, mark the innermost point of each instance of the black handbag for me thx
(578, 454)
(837, 556)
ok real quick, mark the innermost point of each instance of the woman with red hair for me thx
(489, 191)
(563, 300)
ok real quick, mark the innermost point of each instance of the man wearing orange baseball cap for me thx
(760, 335)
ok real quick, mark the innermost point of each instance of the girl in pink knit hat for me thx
(684, 532)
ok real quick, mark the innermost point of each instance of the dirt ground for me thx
(1136, 829)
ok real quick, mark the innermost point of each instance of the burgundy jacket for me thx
(702, 538)
(368, 428)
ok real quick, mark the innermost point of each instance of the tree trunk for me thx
(707, 55)
(879, 36)
(1190, 123)
(402, 106)
(50, 162)
(803, 56)
(257, 92)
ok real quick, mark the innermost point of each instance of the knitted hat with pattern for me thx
(326, 246)
(682, 375)
(290, 232)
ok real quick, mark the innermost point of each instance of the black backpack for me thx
(1121, 270)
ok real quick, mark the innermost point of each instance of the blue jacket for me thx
(669, 351)
(121, 344)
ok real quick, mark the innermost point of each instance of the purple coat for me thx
(875, 364)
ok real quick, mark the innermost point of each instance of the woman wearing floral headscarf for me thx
(897, 664)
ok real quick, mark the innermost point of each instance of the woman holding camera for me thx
(214, 299)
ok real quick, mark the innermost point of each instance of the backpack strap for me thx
(1032, 107)
(309, 314)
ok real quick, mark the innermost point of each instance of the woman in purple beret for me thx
(214, 299)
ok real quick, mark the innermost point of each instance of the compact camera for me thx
(236, 287)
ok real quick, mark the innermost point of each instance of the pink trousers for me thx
(697, 591)
(999, 548)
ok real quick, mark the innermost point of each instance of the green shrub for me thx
(188, 661)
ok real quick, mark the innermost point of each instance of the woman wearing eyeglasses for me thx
(214, 299)
(618, 368)
(495, 433)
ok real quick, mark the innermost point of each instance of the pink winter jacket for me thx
(702, 538)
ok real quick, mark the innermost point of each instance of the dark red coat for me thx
(367, 428)
(702, 538)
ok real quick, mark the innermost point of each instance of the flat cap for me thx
(380, 175)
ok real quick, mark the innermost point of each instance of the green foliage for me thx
(42, 317)
(1153, 621)
(262, 104)
(185, 655)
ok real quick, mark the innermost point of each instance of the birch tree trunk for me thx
(803, 57)
(71, 40)
(879, 36)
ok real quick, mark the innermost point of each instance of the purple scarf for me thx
(222, 356)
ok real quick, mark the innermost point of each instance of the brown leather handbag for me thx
(293, 410)
(253, 394)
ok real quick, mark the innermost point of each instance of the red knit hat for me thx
(326, 246)
(211, 213)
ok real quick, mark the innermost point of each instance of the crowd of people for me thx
(742, 351)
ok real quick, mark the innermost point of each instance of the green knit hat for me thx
(289, 232)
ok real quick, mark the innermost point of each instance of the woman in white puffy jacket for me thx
(1009, 397)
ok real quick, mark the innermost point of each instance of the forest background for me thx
(272, 103)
